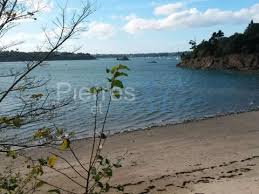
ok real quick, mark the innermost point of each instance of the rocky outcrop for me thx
(123, 58)
(241, 62)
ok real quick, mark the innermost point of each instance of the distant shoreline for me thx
(16, 56)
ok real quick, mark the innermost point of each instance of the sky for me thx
(140, 26)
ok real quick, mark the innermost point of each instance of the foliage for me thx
(18, 183)
(193, 44)
(218, 45)
(95, 174)
(99, 170)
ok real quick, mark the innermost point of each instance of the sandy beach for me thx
(214, 156)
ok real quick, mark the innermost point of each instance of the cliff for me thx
(239, 62)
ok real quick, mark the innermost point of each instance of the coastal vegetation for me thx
(239, 51)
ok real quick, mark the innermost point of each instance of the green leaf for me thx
(54, 191)
(97, 177)
(120, 67)
(93, 90)
(119, 74)
(114, 69)
(117, 83)
(108, 172)
(116, 94)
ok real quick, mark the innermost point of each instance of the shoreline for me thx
(204, 118)
(218, 155)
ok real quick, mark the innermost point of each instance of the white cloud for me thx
(168, 8)
(123, 17)
(99, 30)
(25, 41)
(130, 17)
(192, 18)
(139, 24)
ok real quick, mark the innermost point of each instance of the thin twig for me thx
(69, 164)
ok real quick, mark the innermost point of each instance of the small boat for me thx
(123, 58)
(152, 61)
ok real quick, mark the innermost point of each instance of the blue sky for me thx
(134, 26)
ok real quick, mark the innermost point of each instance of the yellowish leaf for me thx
(52, 161)
(65, 144)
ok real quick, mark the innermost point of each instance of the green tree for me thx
(220, 34)
(193, 44)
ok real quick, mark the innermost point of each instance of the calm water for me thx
(163, 93)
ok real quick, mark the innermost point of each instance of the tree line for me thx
(6, 56)
(219, 45)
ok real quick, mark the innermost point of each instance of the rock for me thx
(152, 61)
(241, 62)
